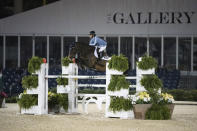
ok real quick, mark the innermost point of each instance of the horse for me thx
(85, 58)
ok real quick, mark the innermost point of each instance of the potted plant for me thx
(146, 65)
(119, 104)
(118, 85)
(56, 101)
(3, 95)
(62, 85)
(142, 102)
(27, 101)
(118, 64)
(34, 64)
(65, 65)
(30, 83)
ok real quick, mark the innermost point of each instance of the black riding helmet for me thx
(92, 33)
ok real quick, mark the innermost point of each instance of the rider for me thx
(100, 45)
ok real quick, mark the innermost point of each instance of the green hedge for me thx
(29, 82)
(34, 64)
(66, 61)
(118, 82)
(183, 95)
(27, 101)
(119, 63)
(158, 112)
(120, 103)
(147, 62)
(62, 81)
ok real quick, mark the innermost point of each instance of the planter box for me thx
(63, 89)
(140, 110)
(65, 70)
(32, 110)
(55, 109)
(144, 72)
(171, 107)
(122, 92)
(114, 72)
(121, 114)
(32, 91)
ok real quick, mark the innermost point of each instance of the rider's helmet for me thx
(92, 33)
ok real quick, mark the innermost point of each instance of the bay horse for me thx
(85, 58)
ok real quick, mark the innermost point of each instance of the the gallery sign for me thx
(185, 17)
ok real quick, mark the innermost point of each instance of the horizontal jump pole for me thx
(91, 85)
(76, 77)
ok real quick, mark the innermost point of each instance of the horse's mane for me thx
(84, 47)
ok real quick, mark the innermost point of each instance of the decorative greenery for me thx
(151, 83)
(118, 82)
(64, 101)
(34, 64)
(62, 81)
(26, 101)
(158, 112)
(143, 98)
(66, 61)
(147, 62)
(183, 95)
(120, 103)
(58, 100)
(119, 63)
(29, 82)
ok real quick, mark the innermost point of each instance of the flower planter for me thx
(121, 92)
(145, 72)
(55, 109)
(121, 114)
(171, 107)
(32, 91)
(63, 89)
(140, 110)
(65, 70)
(114, 72)
(32, 110)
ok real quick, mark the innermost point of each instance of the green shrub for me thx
(62, 81)
(183, 95)
(66, 61)
(64, 101)
(151, 83)
(34, 64)
(119, 63)
(120, 103)
(29, 82)
(158, 112)
(118, 82)
(27, 101)
(147, 62)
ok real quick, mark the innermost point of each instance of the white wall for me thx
(81, 16)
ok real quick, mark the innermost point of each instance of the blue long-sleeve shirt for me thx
(96, 41)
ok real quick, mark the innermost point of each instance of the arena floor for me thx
(184, 119)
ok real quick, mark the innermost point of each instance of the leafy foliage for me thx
(66, 61)
(147, 62)
(151, 83)
(62, 81)
(118, 82)
(119, 63)
(64, 101)
(29, 82)
(158, 112)
(34, 64)
(120, 103)
(27, 101)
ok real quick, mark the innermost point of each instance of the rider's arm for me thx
(93, 41)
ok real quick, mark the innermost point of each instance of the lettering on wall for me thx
(151, 18)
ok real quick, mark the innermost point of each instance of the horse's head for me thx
(73, 51)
